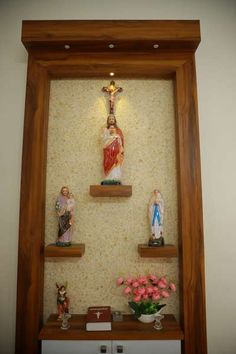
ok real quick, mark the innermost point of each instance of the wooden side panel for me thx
(32, 205)
(190, 206)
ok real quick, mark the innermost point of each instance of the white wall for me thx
(216, 69)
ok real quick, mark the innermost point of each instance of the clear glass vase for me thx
(158, 317)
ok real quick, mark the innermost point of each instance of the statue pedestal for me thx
(156, 242)
(110, 191)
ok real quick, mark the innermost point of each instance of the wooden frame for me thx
(133, 56)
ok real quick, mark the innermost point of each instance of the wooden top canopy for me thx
(96, 35)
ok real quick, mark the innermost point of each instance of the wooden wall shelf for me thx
(75, 250)
(164, 251)
(110, 191)
(129, 329)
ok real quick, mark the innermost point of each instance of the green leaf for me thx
(159, 306)
(134, 305)
(136, 308)
(146, 308)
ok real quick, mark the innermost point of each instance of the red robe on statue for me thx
(112, 155)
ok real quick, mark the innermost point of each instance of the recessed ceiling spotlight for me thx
(67, 46)
(111, 45)
(112, 74)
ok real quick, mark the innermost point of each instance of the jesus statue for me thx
(113, 152)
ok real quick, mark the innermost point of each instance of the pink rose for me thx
(156, 297)
(149, 290)
(135, 284)
(141, 291)
(172, 286)
(161, 284)
(127, 290)
(155, 289)
(153, 278)
(120, 281)
(129, 281)
(137, 298)
(165, 294)
(145, 296)
(142, 280)
(163, 279)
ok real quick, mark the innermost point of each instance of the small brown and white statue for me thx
(156, 213)
(65, 205)
(62, 301)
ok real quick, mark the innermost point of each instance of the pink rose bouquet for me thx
(145, 292)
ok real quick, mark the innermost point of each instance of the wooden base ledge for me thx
(129, 329)
(75, 250)
(166, 251)
(110, 191)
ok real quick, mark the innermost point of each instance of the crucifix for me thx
(112, 91)
(98, 313)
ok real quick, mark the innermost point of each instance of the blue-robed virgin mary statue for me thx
(155, 212)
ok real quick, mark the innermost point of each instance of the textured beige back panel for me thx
(111, 228)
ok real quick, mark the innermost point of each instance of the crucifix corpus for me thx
(112, 90)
